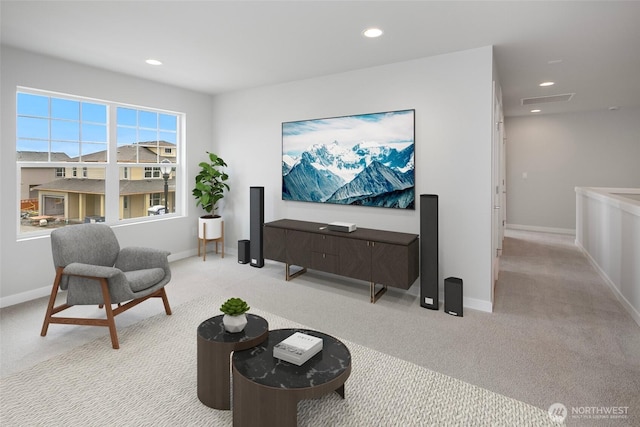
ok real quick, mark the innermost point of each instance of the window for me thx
(155, 199)
(65, 150)
(63, 129)
(145, 136)
(152, 173)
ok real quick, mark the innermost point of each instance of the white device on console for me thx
(346, 227)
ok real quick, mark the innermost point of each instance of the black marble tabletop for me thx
(260, 366)
(213, 329)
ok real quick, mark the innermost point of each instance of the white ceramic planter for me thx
(234, 324)
(213, 227)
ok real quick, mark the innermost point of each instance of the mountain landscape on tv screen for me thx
(367, 174)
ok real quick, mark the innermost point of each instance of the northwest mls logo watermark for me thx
(559, 413)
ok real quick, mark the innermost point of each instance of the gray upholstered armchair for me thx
(93, 269)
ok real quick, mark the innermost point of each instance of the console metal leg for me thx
(375, 295)
(289, 275)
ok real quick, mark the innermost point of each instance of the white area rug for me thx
(152, 381)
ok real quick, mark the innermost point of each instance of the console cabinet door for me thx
(273, 243)
(355, 258)
(322, 261)
(298, 244)
(389, 264)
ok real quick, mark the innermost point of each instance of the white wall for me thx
(608, 231)
(450, 93)
(562, 151)
(452, 96)
(26, 269)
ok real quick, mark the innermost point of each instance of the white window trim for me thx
(112, 168)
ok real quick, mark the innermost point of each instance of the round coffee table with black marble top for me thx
(214, 347)
(266, 390)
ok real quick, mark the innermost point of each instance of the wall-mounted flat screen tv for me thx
(364, 159)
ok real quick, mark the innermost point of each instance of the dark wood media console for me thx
(380, 257)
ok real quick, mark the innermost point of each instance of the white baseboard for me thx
(635, 314)
(46, 291)
(183, 254)
(194, 252)
(477, 304)
(472, 303)
(554, 230)
(25, 296)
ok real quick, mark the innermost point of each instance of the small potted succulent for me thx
(234, 310)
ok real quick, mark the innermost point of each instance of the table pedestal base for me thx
(215, 346)
(256, 405)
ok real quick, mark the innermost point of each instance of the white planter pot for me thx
(234, 324)
(212, 225)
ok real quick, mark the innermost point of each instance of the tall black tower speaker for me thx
(429, 297)
(256, 205)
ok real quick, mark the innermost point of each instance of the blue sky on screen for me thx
(395, 127)
(71, 125)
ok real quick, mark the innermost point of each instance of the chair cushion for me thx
(139, 280)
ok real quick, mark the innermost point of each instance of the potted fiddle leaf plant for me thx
(234, 318)
(209, 189)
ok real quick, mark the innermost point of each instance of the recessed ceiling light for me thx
(554, 61)
(153, 62)
(543, 84)
(535, 111)
(614, 108)
(372, 32)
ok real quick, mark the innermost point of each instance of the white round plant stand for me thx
(210, 230)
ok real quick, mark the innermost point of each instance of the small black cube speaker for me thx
(243, 252)
(453, 296)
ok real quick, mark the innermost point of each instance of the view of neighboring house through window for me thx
(65, 152)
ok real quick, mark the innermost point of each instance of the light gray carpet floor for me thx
(152, 381)
(557, 334)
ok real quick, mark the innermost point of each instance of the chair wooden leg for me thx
(52, 301)
(109, 310)
(110, 318)
(165, 301)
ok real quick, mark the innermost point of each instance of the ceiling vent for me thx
(546, 99)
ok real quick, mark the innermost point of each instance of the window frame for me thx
(112, 196)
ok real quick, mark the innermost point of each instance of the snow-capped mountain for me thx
(377, 179)
(307, 183)
(288, 163)
(366, 173)
(339, 160)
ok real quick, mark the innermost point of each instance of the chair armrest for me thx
(138, 258)
(88, 270)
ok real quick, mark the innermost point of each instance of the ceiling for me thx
(221, 46)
